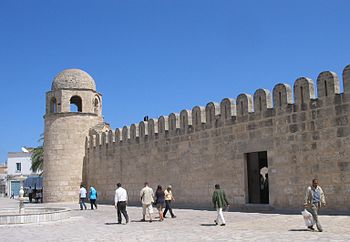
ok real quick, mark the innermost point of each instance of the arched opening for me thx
(96, 105)
(53, 105)
(76, 104)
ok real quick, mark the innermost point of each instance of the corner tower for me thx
(72, 107)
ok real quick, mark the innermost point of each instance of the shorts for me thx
(147, 208)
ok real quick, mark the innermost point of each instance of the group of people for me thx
(83, 196)
(35, 194)
(161, 199)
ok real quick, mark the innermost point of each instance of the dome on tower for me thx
(73, 79)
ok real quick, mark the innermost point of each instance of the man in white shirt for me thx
(146, 195)
(120, 202)
(82, 197)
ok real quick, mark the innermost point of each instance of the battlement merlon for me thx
(230, 110)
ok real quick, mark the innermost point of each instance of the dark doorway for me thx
(258, 179)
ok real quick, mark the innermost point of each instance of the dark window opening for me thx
(260, 104)
(302, 95)
(161, 126)
(76, 104)
(280, 98)
(18, 167)
(242, 108)
(172, 124)
(96, 105)
(258, 180)
(53, 105)
(325, 88)
(210, 116)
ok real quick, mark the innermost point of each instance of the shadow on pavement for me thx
(299, 230)
(208, 225)
(145, 221)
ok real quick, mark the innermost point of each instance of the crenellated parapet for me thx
(230, 111)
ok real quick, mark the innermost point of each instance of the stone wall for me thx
(195, 149)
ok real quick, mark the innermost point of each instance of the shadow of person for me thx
(299, 230)
(208, 225)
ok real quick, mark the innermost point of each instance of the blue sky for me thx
(156, 57)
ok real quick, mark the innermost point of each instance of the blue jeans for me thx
(82, 203)
(168, 207)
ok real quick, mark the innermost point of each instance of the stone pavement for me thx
(190, 225)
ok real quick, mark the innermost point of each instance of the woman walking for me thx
(93, 197)
(160, 197)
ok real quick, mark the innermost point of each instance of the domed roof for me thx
(73, 79)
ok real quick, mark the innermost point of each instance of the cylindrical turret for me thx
(72, 107)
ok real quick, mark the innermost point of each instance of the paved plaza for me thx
(190, 225)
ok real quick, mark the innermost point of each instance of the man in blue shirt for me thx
(314, 200)
(93, 197)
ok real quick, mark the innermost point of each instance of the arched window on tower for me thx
(53, 105)
(76, 104)
(96, 105)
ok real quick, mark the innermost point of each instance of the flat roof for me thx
(18, 154)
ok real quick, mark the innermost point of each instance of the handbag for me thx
(308, 219)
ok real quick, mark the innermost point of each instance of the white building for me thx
(3, 179)
(18, 163)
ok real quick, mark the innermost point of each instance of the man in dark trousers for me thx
(120, 202)
(30, 194)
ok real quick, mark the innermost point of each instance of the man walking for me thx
(168, 198)
(30, 194)
(219, 201)
(146, 195)
(314, 200)
(82, 197)
(120, 202)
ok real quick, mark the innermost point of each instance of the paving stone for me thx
(190, 225)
